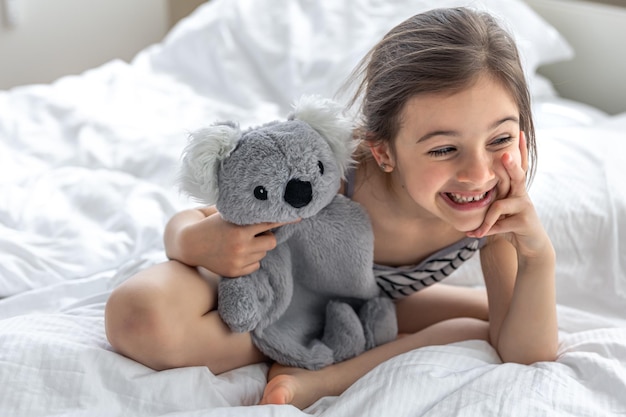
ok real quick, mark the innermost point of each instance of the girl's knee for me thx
(474, 328)
(138, 326)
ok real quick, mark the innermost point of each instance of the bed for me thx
(87, 182)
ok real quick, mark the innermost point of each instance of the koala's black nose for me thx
(298, 193)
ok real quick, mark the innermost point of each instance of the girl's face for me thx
(447, 157)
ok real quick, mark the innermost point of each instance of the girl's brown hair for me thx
(438, 51)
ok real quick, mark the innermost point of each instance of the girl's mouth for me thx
(468, 201)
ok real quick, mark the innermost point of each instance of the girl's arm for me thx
(179, 238)
(201, 237)
(522, 306)
(519, 266)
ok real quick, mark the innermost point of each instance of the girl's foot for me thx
(295, 386)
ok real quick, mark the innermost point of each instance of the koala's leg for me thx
(343, 331)
(277, 343)
(380, 324)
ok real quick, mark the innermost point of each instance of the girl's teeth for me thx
(466, 199)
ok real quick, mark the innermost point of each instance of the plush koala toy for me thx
(314, 300)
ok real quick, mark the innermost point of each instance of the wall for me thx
(181, 8)
(52, 38)
(57, 37)
(596, 31)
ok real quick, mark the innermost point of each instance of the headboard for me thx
(596, 30)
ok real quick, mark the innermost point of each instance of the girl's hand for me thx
(222, 247)
(514, 217)
(522, 302)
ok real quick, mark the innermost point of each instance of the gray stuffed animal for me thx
(314, 300)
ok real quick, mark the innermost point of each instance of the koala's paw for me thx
(238, 305)
(380, 324)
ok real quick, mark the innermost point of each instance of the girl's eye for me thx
(441, 151)
(502, 140)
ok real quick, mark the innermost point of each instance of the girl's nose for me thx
(475, 169)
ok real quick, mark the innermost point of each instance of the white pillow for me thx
(250, 52)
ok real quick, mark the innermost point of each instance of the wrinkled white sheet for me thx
(87, 171)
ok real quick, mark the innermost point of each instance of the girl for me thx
(448, 143)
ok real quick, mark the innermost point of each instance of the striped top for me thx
(398, 282)
(401, 281)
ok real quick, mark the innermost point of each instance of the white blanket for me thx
(87, 182)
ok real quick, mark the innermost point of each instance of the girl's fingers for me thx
(264, 239)
(260, 228)
(263, 243)
(503, 225)
(247, 246)
(499, 210)
(516, 175)
(245, 265)
(523, 149)
(510, 215)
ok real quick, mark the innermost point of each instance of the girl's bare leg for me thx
(302, 387)
(435, 316)
(440, 302)
(164, 317)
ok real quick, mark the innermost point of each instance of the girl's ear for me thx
(382, 154)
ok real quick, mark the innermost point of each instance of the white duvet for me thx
(87, 168)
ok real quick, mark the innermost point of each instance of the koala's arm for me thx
(258, 299)
(240, 302)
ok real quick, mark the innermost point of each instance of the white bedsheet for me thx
(87, 168)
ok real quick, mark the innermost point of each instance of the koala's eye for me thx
(321, 167)
(260, 193)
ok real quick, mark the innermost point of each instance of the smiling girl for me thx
(448, 145)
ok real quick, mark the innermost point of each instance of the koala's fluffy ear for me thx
(202, 157)
(326, 117)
